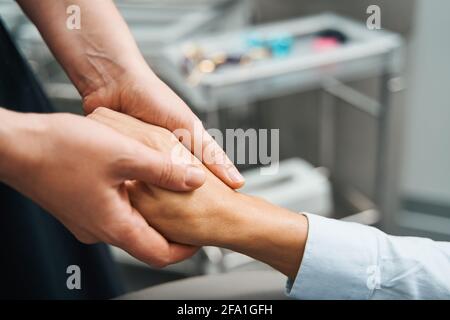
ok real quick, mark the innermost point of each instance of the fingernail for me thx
(235, 175)
(195, 177)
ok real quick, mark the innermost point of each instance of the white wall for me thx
(426, 170)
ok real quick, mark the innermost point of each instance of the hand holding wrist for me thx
(76, 169)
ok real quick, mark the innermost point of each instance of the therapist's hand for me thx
(142, 95)
(105, 64)
(76, 169)
(213, 214)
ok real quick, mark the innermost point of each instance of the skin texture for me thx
(214, 214)
(76, 169)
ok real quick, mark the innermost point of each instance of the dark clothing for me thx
(35, 249)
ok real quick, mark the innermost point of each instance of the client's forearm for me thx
(265, 232)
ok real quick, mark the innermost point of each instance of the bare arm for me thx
(97, 54)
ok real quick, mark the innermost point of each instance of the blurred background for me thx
(363, 114)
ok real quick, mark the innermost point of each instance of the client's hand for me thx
(213, 214)
(189, 218)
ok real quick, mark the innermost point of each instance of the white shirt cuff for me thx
(339, 262)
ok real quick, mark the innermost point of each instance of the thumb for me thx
(153, 167)
(217, 161)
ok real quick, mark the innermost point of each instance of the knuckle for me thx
(124, 162)
(162, 135)
(149, 141)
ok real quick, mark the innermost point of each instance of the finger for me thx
(179, 252)
(158, 169)
(85, 238)
(147, 245)
(82, 235)
(184, 122)
(217, 161)
(196, 139)
(79, 233)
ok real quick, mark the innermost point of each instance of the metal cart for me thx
(155, 24)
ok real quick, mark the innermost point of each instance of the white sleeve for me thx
(344, 260)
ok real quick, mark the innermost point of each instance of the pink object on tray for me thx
(325, 44)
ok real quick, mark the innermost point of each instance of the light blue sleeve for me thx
(344, 260)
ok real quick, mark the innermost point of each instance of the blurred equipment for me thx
(291, 58)
(158, 23)
(297, 186)
(155, 24)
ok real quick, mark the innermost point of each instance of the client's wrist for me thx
(263, 231)
(232, 222)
